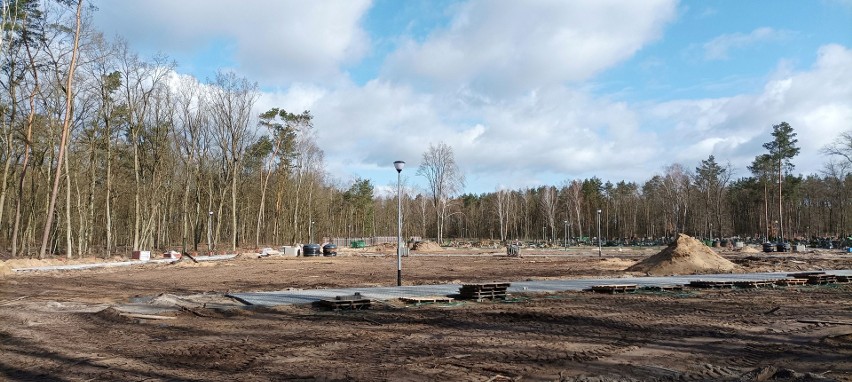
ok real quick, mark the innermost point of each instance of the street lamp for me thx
(210, 231)
(600, 250)
(569, 233)
(565, 239)
(399, 165)
(311, 232)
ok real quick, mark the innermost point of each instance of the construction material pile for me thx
(425, 246)
(684, 257)
(748, 249)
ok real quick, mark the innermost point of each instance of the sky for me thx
(526, 93)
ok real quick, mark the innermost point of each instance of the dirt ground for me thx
(59, 325)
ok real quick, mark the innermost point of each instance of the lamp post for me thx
(311, 232)
(569, 233)
(399, 165)
(565, 239)
(600, 250)
(210, 231)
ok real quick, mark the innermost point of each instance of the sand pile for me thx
(425, 246)
(685, 256)
(749, 250)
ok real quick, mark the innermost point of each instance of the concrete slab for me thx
(289, 297)
(115, 264)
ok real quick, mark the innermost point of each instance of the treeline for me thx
(675, 201)
(103, 152)
(143, 158)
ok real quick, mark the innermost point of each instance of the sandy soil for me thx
(58, 325)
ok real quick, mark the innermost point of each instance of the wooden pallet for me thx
(480, 292)
(822, 279)
(484, 287)
(426, 299)
(791, 282)
(353, 302)
(614, 288)
(674, 287)
(804, 275)
(754, 284)
(485, 295)
(711, 284)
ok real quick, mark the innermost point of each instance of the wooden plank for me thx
(656, 288)
(486, 286)
(821, 279)
(804, 275)
(711, 284)
(754, 283)
(789, 282)
(426, 299)
(614, 288)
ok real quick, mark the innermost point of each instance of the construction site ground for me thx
(80, 325)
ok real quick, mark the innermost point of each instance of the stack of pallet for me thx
(821, 279)
(720, 284)
(614, 288)
(353, 302)
(754, 283)
(791, 282)
(815, 277)
(481, 292)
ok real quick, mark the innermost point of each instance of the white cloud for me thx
(557, 133)
(271, 41)
(720, 47)
(511, 46)
(817, 103)
(556, 130)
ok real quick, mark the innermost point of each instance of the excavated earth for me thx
(67, 326)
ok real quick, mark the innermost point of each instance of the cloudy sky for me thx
(526, 92)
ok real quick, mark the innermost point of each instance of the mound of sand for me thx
(424, 246)
(749, 250)
(685, 256)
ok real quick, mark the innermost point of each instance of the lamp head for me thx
(399, 165)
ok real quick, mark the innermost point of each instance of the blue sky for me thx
(526, 93)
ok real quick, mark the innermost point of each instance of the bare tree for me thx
(676, 184)
(444, 178)
(231, 101)
(547, 202)
(66, 127)
(574, 203)
(841, 147)
(502, 204)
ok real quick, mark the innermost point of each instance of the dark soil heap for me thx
(683, 257)
(425, 246)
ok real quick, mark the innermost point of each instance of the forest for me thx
(103, 151)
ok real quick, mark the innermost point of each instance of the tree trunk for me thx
(68, 242)
(108, 197)
(66, 127)
(780, 206)
(234, 207)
